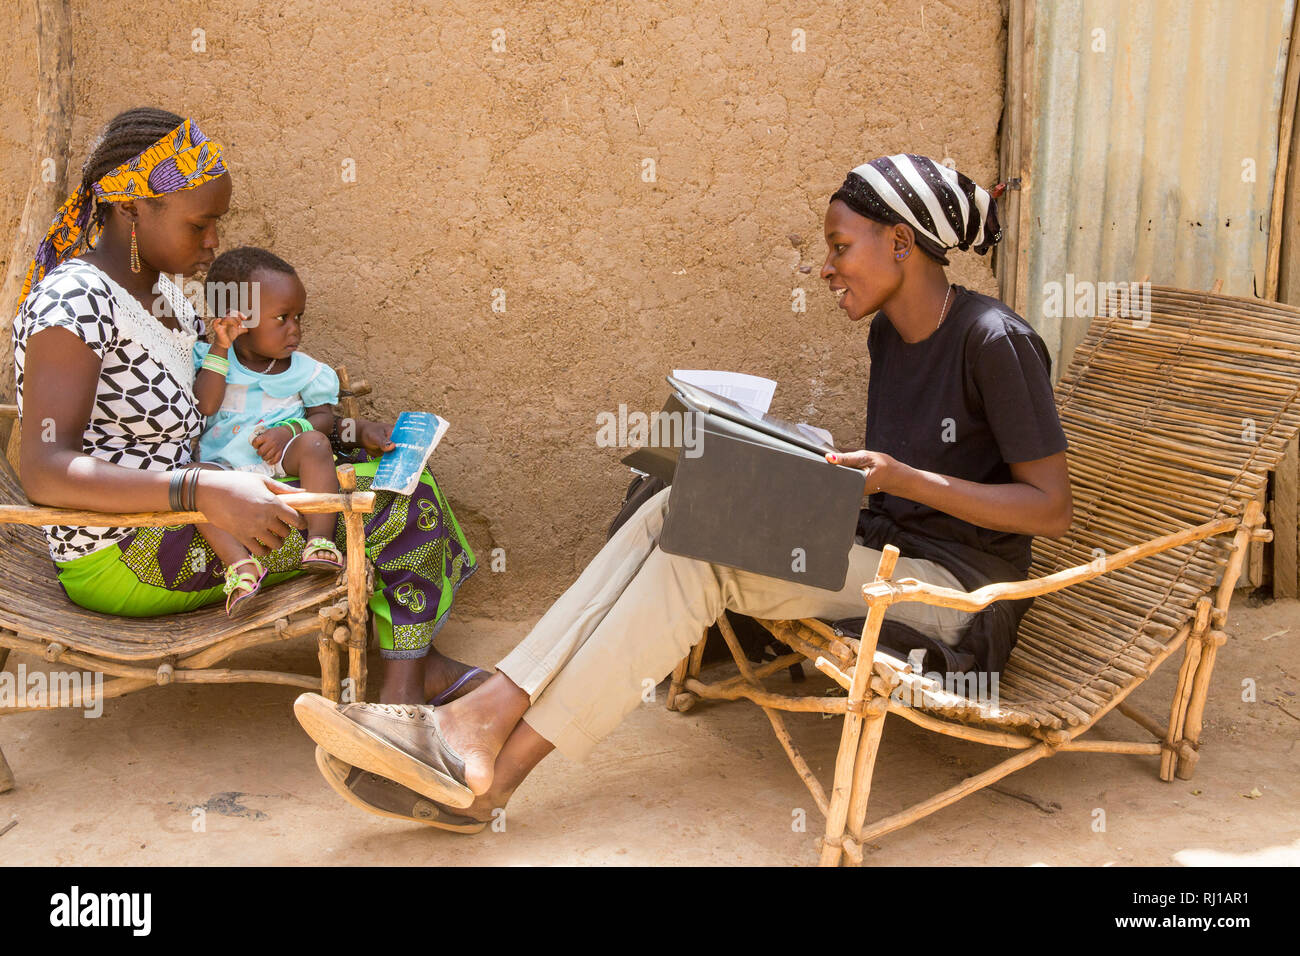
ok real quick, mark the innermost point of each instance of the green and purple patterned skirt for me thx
(420, 555)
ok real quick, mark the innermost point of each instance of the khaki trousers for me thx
(636, 611)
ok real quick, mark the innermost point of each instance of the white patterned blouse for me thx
(145, 414)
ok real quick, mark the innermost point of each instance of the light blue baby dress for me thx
(252, 398)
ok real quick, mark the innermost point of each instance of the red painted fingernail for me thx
(834, 458)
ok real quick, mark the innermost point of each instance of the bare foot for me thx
(476, 727)
(440, 672)
(418, 681)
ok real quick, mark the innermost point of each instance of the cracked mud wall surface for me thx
(522, 170)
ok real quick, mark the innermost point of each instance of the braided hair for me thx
(126, 136)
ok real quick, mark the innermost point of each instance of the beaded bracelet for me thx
(336, 440)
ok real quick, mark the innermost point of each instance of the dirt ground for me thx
(709, 787)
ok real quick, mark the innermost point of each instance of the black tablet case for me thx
(749, 499)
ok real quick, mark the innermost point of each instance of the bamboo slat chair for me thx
(37, 618)
(1173, 428)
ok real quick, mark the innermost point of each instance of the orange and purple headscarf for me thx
(182, 159)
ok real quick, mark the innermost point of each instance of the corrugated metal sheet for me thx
(1155, 155)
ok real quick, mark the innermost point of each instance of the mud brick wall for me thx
(642, 182)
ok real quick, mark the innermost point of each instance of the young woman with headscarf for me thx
(105, 393)
(964, 462)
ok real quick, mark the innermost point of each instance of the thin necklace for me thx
(269, 367)
(943, 310)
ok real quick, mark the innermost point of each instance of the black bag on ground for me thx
(755, 640)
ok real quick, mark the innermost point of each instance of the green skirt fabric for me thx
(420, 555)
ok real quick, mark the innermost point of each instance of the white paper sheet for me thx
(752, 391)
(817, 432)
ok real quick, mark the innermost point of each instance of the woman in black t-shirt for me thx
(965, 456)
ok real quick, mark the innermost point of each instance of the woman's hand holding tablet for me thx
(883, 473)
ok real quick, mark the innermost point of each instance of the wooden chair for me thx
(1173, 428)
(37, 618)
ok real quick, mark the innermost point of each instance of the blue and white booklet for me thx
(416, 435)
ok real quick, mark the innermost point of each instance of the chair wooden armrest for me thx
(9, 411)
(304, 502)
(910, 589)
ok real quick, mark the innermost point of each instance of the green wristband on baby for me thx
(302, 425)
(215, 363)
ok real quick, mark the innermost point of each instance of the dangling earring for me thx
(135, 251)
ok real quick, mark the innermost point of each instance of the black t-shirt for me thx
(965, 402)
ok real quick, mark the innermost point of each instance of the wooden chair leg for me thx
(1198, 661)
(357, 666)
(328, 649)
(675, 686)
(678, 699)
(860, 704)
(868, 747)
(358, 592)
(1183, 690)
(846, 778)
(6, 775)
(697, 658)
(1193, 722)
(1178, 708)
(1211, 639)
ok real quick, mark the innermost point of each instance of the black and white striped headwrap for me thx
(943, 207)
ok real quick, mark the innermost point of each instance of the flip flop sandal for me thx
(455, 691)
(236, 579)
(386, 798)
(327, 564)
